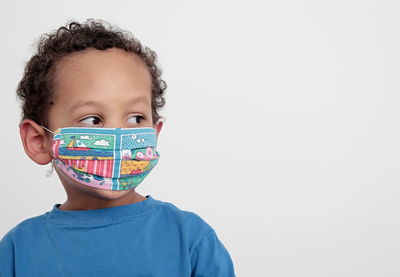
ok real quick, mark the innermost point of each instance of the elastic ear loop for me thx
(47, 129)
(51, 170)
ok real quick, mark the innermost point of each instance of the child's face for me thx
(94, 88)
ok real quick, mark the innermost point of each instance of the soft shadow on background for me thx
(282, 131)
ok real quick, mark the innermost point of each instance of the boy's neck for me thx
(79, 201)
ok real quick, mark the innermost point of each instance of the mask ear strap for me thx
(47, 129)
(50, 171)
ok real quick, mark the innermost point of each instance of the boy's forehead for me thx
(97, 77)
(77, 62)
(100, 70)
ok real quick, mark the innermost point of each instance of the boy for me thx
(90, 99)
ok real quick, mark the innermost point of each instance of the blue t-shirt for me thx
(149, 238)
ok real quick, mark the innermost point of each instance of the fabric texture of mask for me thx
(106, 158)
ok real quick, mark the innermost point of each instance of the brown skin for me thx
(93, 88)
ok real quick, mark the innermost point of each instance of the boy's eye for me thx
(91, 120)
(136, 119)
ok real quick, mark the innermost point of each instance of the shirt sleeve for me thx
(7, 257)
(211, 259)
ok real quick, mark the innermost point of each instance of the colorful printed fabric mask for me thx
(106, 158)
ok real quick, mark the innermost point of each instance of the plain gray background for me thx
(287, 114)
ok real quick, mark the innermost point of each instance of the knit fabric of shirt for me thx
(148, 238)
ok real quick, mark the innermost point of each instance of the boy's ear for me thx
(35, 141)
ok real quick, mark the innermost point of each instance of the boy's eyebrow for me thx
(141, 99)
(84, 103)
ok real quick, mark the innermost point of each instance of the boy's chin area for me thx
(100, 193)
(85, 197)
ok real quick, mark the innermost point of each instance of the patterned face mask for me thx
(106, 158)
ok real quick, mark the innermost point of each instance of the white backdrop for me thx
(287, 110)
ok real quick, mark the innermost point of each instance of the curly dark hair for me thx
(35, 89)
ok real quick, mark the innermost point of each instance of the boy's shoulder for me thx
(25, 231)
(187, 219)
(178, 212)
(26, 225)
